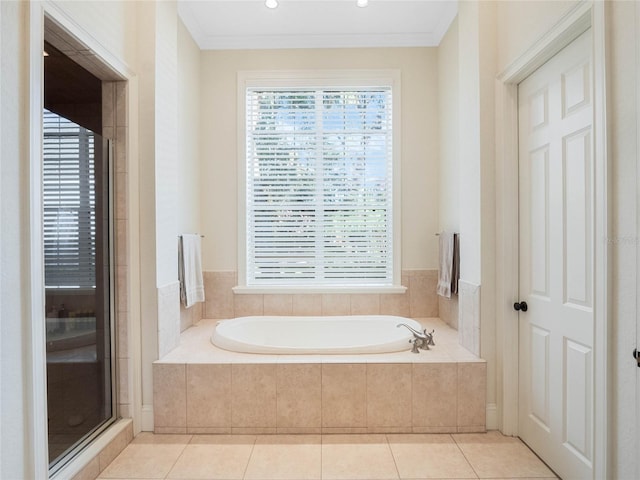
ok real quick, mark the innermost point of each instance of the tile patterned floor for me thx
(335, 457)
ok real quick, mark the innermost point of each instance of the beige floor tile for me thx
(493, 455)
(214, 457)
(284, 457)
(144, 460)
(429, 456)
(355, 457)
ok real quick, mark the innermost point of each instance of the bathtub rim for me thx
(234, 345)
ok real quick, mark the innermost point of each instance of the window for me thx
(69, 204)
(319, 186)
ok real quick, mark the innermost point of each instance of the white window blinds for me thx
(69, 204)
(319, 165)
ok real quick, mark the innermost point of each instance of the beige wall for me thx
(419, 141)
(188, 172)
(521, 23)
(448, 187)
(624, 156)
(112, 25)
(16, 442)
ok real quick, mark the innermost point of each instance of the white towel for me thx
(445, 270)
(190, 269)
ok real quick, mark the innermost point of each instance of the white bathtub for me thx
(314, 335)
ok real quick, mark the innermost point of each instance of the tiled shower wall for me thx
(115, 127)
(419, 300)
(448, 310)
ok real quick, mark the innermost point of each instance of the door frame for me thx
(36, 408)
(585, 15)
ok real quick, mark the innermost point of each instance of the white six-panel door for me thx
(556, 261)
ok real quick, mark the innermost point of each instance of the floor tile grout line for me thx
(465, 457)
(253, 446)
(395, 464)
(178, 457)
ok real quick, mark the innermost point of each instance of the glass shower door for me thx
(78, 284)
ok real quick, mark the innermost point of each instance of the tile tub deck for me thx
(199, 388)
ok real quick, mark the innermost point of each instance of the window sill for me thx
(343, 289)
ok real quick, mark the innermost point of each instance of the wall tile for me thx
(247, 305)
(168, 318)
(307, 305)
(365, 304)
(253, 390)
(121, 149)
(472, 392)
(122, 328)
(395, 304)
(169, 395)
(448, 310)
(423, 301)
(121, 104)
(122, 255)
(344, 395)
(299, 395)
(435, 395)
(209, 395)
(219, 294)
(123, 380)
(108, 104)
(389, 395)
(278, 305)
(122, 180)
(336, 304)
(122, 292)
(469, 316)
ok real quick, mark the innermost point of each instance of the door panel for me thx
(556, 264)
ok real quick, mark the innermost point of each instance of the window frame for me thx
(318, 79)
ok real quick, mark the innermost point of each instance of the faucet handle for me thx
(430, 337)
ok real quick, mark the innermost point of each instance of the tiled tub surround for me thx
(199, 388)
(419, 300)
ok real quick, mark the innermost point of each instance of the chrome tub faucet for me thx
(421, 340)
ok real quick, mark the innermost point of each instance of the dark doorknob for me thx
(521, 306)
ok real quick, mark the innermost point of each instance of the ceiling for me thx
(249, 24)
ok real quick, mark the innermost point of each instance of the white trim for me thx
(320, 78)
(1, 238)
(602, 274)
(346, 289)
(37, 335)
(147, 422)
(37, 407)
(492, 416)
(584, 15)
(53, 11)
(637, 92)
(273, 42)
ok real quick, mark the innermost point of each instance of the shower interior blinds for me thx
(69, 204)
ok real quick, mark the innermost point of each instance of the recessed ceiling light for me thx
(271, 3)
(362, 3)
